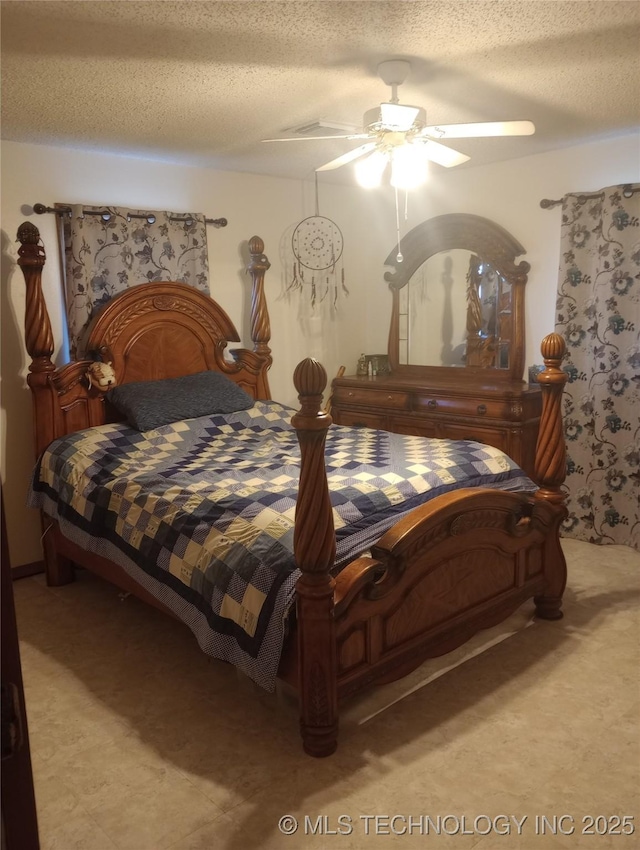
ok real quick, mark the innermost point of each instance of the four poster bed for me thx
(349, 611)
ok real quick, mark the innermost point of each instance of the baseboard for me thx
(27, 570)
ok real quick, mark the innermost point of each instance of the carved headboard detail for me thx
(149, 332)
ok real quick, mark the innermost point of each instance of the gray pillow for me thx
(150, 404)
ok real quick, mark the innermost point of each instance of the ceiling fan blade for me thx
(348, 157)
(443, 155)
(316, 138)
(481, 128)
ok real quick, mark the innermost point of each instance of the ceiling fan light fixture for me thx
(369, 170)
(394, 126)
(394, 117)
(409, 167)
(397, 116)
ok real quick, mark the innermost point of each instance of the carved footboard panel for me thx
(462, 563)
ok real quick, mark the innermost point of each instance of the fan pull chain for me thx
(399, 257)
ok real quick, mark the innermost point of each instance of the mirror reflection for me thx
(455, 311)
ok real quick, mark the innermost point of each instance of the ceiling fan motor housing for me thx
(395, 117)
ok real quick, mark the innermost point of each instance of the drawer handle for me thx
(432, 403)
(482, 408)
(350, 395)
(390, 397)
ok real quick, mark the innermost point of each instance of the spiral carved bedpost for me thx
(260, 326)
(550, 472)
(38, 334)
(314, 547)
(39, 342)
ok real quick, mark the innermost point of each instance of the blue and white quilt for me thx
(201, 512)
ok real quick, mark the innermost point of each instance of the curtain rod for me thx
(40, 209)
(627, 192)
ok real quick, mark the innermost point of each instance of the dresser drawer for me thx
(413, 427)
(375, 399)
(489, 408)
(358, 420)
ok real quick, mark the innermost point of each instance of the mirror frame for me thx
(493, 244)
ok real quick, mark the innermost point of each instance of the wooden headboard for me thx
(149, 332)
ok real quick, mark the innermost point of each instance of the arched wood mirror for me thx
(458, 301)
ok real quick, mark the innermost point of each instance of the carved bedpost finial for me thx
(38, 334)
(551, 457)
(310, 381)
(553, 349)
(28, 234)
(257, 266)
(314, 545)
(256, 248)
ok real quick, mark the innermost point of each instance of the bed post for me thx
(38, 334)
(550, 471)
(314, 546)
(260, 325)
(39, 342)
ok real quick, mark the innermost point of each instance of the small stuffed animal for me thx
(101, 376)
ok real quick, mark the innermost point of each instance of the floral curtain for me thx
(598, 314)
(109, 249)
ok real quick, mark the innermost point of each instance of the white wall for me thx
(509, 193)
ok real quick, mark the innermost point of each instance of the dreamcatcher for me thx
(317, 248)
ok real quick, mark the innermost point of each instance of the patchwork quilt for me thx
(201, 512)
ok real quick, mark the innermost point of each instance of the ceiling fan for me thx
(399, 134)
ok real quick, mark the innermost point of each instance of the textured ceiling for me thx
(203, 82)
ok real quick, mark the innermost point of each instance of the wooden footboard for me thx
(459, 564)
(463, 562)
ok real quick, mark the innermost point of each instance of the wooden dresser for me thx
(504, 415)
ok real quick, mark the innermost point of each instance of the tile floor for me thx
(141, 743)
